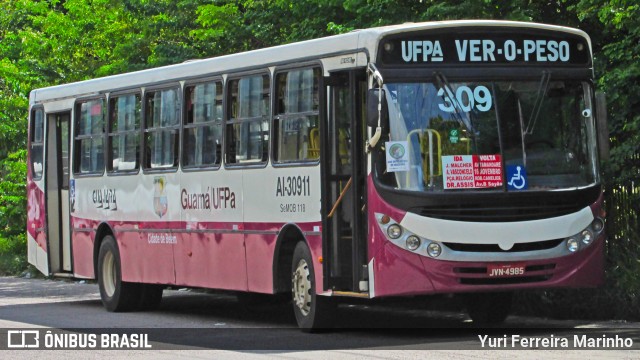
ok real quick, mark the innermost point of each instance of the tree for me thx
(617, 47)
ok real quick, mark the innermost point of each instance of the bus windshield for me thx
(493, 135)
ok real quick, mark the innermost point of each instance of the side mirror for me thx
(373, 100)
(603, 128)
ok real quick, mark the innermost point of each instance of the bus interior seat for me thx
(313, 151)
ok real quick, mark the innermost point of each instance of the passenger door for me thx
(57, 192)
(343, 171)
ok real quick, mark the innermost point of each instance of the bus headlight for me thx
(597, 225)
(586, 236)
(394, 231)
(413, 242)
(572, 244)
(434, 249)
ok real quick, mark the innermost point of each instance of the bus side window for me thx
(297, 117)
(247, 128)
(124, 133)
(202, 136)
(37, 143)
(162, 127)
(89, 139)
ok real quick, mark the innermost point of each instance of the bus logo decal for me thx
(104, 199)
(213, 198)
(160, 204)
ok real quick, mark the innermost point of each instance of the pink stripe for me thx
(203, 254)
(187, 226)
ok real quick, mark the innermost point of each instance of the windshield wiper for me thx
(523, 132)
(537, 106)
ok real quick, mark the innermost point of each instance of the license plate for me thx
(505, 270)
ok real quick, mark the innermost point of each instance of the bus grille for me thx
(467, 212)
(532, 246)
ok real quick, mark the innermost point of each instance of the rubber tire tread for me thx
(322, 312)
(126, 296)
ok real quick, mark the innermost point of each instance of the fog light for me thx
(597, 225)
(586, 236)
(413, 242)
(434, 249)
(572, 244)
(394, 231)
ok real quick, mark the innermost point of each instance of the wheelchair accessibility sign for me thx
(517, 177)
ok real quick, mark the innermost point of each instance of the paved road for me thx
(195, 324)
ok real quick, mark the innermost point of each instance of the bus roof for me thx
(358, 40)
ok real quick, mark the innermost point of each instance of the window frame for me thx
(145, 129)
(111, 133)
(281, 116)
(229, 121)
(32, 142)
(185, 127)
(77, 148)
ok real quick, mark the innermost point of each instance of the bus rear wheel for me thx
(116, 294)
(489, 308)
(312, 312)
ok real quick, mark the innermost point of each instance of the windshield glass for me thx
(513, 135)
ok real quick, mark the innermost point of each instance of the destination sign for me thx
(485, 48)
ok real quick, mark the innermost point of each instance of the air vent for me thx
(522, 247)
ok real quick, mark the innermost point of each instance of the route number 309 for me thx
(465, 99)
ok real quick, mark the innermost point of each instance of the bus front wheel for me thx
(312, 312)
(116, 294)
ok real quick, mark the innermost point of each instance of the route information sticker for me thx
(472, 171)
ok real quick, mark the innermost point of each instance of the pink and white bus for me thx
(429, 158)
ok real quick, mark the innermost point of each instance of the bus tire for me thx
(116, 295)
(312, 312)
(489, 308)
(150, 296)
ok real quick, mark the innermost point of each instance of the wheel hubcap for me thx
(301, 287)
(109, 274)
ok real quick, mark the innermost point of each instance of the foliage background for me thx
(44, 43)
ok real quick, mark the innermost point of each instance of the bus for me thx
(457, 157)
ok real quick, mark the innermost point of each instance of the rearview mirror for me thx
(373, 100)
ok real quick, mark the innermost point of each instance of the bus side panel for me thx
(212, 259)
(212, 251)
(143, 212)
(285, 195)
(260, 252)
(36, 234)
(82, 244)
(147, 256)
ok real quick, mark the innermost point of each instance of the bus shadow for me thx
(194, 320)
